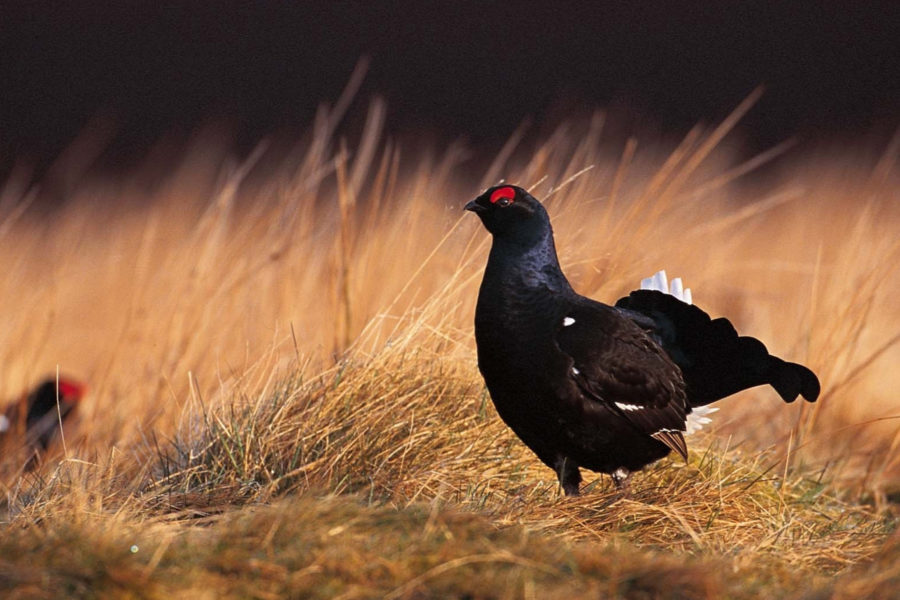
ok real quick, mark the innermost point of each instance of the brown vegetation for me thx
(284, 395)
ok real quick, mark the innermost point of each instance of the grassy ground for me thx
(284, 399)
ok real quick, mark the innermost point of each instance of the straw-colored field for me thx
(284, 399)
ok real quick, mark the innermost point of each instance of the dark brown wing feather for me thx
(674, 440)
(618, 365)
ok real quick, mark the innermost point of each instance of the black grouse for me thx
(35, 417)
(584, 384)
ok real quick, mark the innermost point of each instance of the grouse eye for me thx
(503, 196)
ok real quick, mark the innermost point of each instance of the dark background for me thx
(448, 69)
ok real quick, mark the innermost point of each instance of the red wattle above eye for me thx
(504, 192)
(70, 390)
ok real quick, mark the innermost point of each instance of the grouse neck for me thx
(533, 264)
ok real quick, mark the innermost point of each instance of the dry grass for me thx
(284, 398)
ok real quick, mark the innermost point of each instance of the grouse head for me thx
(512, 213)
(42, 400)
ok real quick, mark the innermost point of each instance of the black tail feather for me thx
(714, 360)
(791, 380)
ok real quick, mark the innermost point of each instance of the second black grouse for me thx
(588, 385)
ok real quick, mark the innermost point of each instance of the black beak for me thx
(475, 207)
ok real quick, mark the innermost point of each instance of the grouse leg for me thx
(622, 478)
(569, 475)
